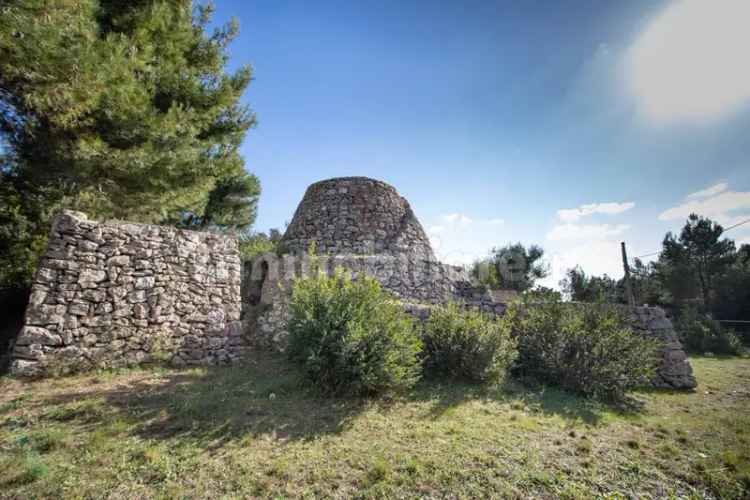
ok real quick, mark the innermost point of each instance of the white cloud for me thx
(594, 247)
(457, 217)
(585, 231)
(596, 258)
(709, 191)
(459, 239)
(573, 214)
(715, 207)
(691, 61)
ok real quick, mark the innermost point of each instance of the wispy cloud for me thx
(585, 231)
(460, 239)
(573, 214)
(718, 206)
(709, 191)
(593, 246)
(596, 257)
(457, 217)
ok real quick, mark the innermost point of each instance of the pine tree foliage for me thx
(122, 110)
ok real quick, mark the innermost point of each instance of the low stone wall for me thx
(410, 279)
(273, 279)
(674, 370)
(112, 293)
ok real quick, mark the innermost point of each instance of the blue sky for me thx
(572, 124)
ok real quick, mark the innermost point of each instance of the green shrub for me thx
(352, 337)
(467, 344)
(700, 334)
(587, 349)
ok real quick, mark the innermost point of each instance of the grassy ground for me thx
(251, 431)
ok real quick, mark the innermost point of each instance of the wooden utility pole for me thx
(626, 267)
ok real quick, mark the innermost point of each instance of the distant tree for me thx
(732, 290)
(485, 273)
(698, 254)
(542, 294)
(513, 267)
(583, 288)
(119, 109)
(253, 244)
(647, 285)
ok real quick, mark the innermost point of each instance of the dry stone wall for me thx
(269, 281)
(112, 294)
(420, 288)
(356, 215)
(674, 370)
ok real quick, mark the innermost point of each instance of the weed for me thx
(24, 469)
(632, 444)
(379, 470)
(47, 440)
(583, 447)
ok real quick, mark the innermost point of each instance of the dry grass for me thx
(251, 431)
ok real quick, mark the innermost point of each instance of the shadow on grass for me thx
(529, 395)
(265, 397)
(214, 406)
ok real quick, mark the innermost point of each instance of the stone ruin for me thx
(111, 293)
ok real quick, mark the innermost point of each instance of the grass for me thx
(252, 431)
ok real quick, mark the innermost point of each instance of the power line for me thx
(738, 224)
(646, 255)
(724, 231)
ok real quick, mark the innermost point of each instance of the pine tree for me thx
(119, 109)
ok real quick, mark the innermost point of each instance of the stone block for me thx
(89, 278)
(36, 335)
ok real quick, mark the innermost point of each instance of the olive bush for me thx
(351, 337)
(588, 349)
(467, 344)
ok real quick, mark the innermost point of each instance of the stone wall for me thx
(111, 294)
(269, 280)
(356, 215)
(674, 370)
(420, 288)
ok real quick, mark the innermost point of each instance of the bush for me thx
(700, 334)
(351, 337)
(583, 348)
(467, 344)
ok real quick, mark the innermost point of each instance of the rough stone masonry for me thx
(112, 294)
(366, 227)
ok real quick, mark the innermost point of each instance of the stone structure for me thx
(110, 294)
(273, 277)
(365, 227)
(356, 215)
(269, 281)
(674, 370)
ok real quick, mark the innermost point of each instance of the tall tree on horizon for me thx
(122, 110)
(699, 251)
(512, 266)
